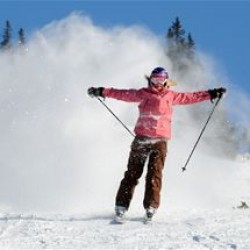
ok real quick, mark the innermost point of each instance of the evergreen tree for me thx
(190, 41)
(180, 50)
(21, 36)
(190, 47)
(6, 42)
(178, 32)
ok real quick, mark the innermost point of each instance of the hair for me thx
(148, 80)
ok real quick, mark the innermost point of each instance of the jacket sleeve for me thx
(189, 98)
(127, 95)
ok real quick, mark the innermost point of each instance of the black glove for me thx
(216, 93)
(95, 92)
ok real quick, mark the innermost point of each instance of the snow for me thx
(183, 229)
(191, 223)
(244, 157)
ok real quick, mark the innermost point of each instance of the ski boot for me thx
(149, 215)
(119, 214)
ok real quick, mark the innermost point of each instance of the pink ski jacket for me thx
(155, 108)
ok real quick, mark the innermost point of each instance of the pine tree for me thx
(177, 32)
(21, 36)
(179, 49)
(190, 47)
(6, 42)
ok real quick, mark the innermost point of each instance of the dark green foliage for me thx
(190, 47)
(177, 32)
(6, 42)
(21, 36)
(180, 49)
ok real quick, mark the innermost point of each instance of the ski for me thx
(121, 220)
(118, 220)
(147, 220)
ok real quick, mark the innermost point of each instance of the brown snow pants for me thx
(141, 149)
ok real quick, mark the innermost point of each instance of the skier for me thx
(152, 132)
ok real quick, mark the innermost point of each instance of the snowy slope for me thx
(186, 229)
(194, 225)
(175, 227)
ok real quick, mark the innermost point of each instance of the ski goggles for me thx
(158, 80)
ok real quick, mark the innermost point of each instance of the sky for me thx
(219, 28)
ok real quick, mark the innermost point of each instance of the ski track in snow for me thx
(200, 229)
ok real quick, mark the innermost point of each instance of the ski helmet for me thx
(159, 72)
(159, 75)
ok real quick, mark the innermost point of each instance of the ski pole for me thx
(116, 117)
(202, 131)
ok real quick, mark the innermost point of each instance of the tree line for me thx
(7, 36)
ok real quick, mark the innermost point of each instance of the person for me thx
(152, 132)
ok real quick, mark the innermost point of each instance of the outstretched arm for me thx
(198, 96)
(189, 98)
(128, 95)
